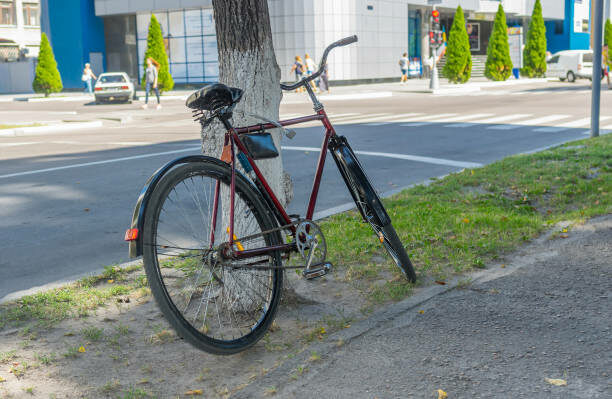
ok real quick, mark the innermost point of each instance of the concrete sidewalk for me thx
(358, 91)
(509, 333)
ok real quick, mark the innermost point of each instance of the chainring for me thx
(310, 243)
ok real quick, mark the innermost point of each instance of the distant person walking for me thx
(87, 78)
(605, 58)
(324, 79)
(311, 68)
(298, 68)
(151, 81)
(403, 64)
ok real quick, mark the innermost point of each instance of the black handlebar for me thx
(305, 80)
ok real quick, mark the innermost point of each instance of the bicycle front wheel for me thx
(371, 208)
(218, 305)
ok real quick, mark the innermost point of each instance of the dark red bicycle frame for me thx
(233, 140)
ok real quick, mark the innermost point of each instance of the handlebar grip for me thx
(347, 40)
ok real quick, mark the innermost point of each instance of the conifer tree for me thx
(499, 64)
(47, 78)
(534, 54)
(458, 67)
(157, 51)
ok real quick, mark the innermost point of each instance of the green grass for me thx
(468, 219)
(74, 300)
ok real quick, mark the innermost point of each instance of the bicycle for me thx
(211, 236)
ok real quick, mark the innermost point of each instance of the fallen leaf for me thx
(441, 394)
(472, 171)
(68, 334)
(466, 220)
(564, 230)
(440, 282)
(503, 265)
(421, 311)
(2, 379)
(194, 392)
(110, 281)
(86, 209)
(597, 202)
(563, 236)
(556, 381)
(81, 349)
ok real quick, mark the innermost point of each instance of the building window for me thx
(7, 13)
(191, 44)
(31, 15)
(559, 27)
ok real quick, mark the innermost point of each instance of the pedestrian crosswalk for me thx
(552, 123)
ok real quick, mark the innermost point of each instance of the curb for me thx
(50, 129)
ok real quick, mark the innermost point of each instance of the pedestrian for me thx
(311, 68)
(605, 58)
(403, 64)
(324, 79)
(87, 78)
(151, 75)
(298, 68)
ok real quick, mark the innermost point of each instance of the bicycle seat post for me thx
(315, 102)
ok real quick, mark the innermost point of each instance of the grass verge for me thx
(468, 219)
(450, 226)
(2, 126)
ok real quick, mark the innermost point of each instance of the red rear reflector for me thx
(124, 87)
(131, 234)
(98, 89)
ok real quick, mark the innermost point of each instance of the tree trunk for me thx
(247, 61)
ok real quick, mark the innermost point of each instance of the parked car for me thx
(571, 65)
(114, 86)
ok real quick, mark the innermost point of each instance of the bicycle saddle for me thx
(213, 97)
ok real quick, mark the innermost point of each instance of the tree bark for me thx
(247, 61)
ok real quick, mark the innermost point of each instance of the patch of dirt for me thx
(128, 348)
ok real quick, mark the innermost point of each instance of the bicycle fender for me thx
(135, 246)
(346, 160)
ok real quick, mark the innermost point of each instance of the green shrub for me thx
(499, 64)
(47, 78)
(157, 50)
(534, 54)
(458, 67)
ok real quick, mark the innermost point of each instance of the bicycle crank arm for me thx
(318, 270)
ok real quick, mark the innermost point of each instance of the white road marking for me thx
(536, 121)
(569, 125)
(15, 144)
(496, 119)
(106, 161)
(420, 121)
(396, 119)
(463, 118)
(416, 158)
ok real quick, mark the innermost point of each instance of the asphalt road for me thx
(66, 199)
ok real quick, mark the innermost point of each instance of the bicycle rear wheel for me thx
(219, 306)
(370, 206)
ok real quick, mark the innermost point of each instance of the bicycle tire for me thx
(371, 207)
(163, 282)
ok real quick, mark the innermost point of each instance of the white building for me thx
(386, 29)
(19, 29)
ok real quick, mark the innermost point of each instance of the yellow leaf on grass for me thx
(441, 394)
(110, 281)
(564, 230)
(194, 392)
(81, 349)
(466, 220)
(556, 381)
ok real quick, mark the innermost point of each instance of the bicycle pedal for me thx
(317, 270)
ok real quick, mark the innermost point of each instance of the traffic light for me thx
(435, 34)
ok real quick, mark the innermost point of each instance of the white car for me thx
(114, 86)
(571, 65)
